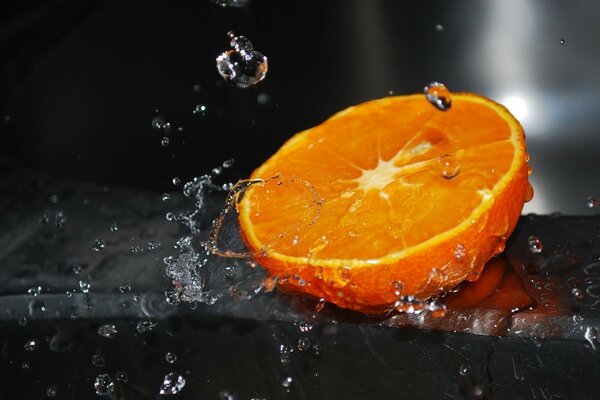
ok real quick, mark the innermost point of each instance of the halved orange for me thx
(388, 198)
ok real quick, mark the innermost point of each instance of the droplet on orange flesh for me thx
(363, 203)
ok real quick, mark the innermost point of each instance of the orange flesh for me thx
(360, 205)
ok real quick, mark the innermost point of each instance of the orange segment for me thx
(388, 194)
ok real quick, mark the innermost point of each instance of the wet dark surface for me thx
(548, 350)
(80, 84)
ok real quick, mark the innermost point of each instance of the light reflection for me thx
(517, 106)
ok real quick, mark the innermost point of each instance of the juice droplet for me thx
(448, 166)
(438, 95)
(535, 245)
(528, 192)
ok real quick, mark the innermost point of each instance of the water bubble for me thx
(34, 291)
(562, 41)
(104, 385)
(242, 66)
(438, 95)
(98, 244)
(108, 331)
(593, 290)
(448, 166)
(146, 325)
(200, 109)
(30, 345)
(228, 163)
(51, 391)
(591, 202)
(84, 286)
(166, 197)
(592, 269)
(464, 370)
(164, 141)
(535, 245)
(98, 361)
(25, 365)
(170, 357)
(231, 3)
(172, 384)
(121, 376)
(287, 382)
(303, 344)
(114, 227)
(172, 297)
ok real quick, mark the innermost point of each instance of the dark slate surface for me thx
(234, 347)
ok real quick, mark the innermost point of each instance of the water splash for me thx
(172, 384)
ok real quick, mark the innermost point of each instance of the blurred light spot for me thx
(516, 106)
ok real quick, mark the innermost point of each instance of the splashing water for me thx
(104, 385)
(438, 95)
(108, 331)
(242, 66)
(172, 384)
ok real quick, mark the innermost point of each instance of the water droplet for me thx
(170, 357)
(30, 345)
(166, 196)
(305, 326)
(26, 365)
(172, 384)
(225, 395)
(125, 288)
(104, 385)
(438, 95)
(228, 163)
(136, 249)
(320, 305)
(84, 286)
(108, 331)
(439, 28)
(146, 325)
(164, 141)
(98, 244)
(152, 245)
(464, 370)
(528, 192)
(98, 361)
(34, 291)
(231, 3)
(303, 344)
(200, 109)
(176, 181)
(160, 123)
(121, 376)
(285, 352)
(562, 41)
(591, 202)
(535, 245)
(448, 166)
(51, 391)
(287, 382)
(242, 67)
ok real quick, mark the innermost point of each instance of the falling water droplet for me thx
(287, 382)
(562, 41)
(464, 370)
(108, 331)
(170, 357)
(528, 192)
(166, 196)
(591, 202)
(30, 345)
(438, 95)
(121, 376)
(51, 391)
(172, 384)
(242, 66)
(439, 27)
(164, 141)
(448, 166)
(104, 385)
(535, 245)
(200, 109)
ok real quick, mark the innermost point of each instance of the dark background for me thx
(80, 82)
